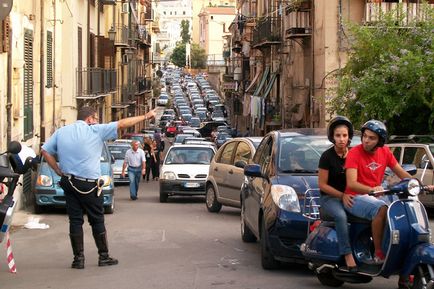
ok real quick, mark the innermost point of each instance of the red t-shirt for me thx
(370, 167)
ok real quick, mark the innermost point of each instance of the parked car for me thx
(281, 180)
(48, 193)
(118, 151)
(185, 170)
(416, 150)
(226, 173)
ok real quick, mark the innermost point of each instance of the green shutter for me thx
(49, 59)
(28, 84)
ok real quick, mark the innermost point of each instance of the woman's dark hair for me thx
(85, 112)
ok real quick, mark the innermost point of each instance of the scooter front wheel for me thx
(326, 278)
(422, 278)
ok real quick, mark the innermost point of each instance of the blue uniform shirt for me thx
(79, 146)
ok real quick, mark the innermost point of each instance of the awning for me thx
(254, 80)
(263, 79)
(270, 85)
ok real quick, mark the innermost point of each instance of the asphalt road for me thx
(176, 245)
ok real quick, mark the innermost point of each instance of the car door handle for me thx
(231, 172)
(216, 169)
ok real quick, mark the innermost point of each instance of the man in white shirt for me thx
(136, 161)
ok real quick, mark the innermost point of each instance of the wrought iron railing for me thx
(95, 81)
(267, 31)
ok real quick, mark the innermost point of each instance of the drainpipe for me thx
(312, 80)
(42, 79)
(9, 90)
(53, 126)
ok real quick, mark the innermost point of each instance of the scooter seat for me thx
(351, 218)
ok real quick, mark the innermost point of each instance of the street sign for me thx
(5, 8)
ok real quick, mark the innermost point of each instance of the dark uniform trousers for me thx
(78, 203)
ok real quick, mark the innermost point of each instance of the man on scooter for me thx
(365, 167)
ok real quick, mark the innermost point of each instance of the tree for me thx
(390, 75)
(198, 56)
(178, 55)
(185, 31)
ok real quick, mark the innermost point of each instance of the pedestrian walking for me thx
(78, 147)
(155, 161)
(147, 148)
(136, 161)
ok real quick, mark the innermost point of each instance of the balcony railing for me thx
(404, 13)
(127, 94)
(144, 84)
(121, 38)
(93, 82)
(267, 32)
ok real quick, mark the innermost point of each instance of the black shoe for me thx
(133, 198)
(106, 260)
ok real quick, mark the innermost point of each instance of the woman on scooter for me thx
(332, 183)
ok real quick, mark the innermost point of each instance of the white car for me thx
(162, 100)
(185, 170)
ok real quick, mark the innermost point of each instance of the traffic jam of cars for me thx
(272, 179)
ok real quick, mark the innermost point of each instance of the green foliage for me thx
(390, 75)
(185, 31)
(198, 56)
(178, 55)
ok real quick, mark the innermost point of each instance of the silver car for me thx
(118, 151)
(226, 173)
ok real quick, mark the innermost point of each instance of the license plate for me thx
(192, 185)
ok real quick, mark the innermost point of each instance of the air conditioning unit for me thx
(125, 8)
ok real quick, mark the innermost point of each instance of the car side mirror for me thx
(411, 169)
(425, 162)
(240, 164)
(253, 170)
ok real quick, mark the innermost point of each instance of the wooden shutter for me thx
(28, 84)
(49, 59)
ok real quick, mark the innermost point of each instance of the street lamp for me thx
(112, 33)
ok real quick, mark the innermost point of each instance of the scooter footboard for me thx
(421, 254)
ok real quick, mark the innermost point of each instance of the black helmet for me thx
(377, 127)
(339, 120)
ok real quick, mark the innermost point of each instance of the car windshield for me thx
(301, 154)
(189, 155)
(118, 152)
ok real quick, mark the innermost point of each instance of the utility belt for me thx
(97, 184)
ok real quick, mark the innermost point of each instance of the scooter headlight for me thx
(285, 198)
(413, 187)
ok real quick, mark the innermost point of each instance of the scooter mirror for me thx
(14, 147)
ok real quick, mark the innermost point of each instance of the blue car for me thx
(283, 176)
(48, 193)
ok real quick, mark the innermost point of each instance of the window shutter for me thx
(28, 84)
(49, 59)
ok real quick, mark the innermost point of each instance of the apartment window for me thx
(164, 12)
(28, 84)
(49, 59)
(183, 12)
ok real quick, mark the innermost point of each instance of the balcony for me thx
(297, 20)
(141, 35)
(404, 13)
(121, 38)
(128, 94)
(144, 84)
(95, 82)
(267, 32)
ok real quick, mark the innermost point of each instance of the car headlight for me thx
(44, 181)
(413, 187)
(285, 198)
(169, 176)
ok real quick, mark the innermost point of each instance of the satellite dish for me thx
(5, 8)
(159, 73)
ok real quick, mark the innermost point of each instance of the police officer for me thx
(78, 147)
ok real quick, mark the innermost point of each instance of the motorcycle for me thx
(406, 242)
(16, 160)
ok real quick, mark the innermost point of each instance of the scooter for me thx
(13, 162)
(406, 241)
